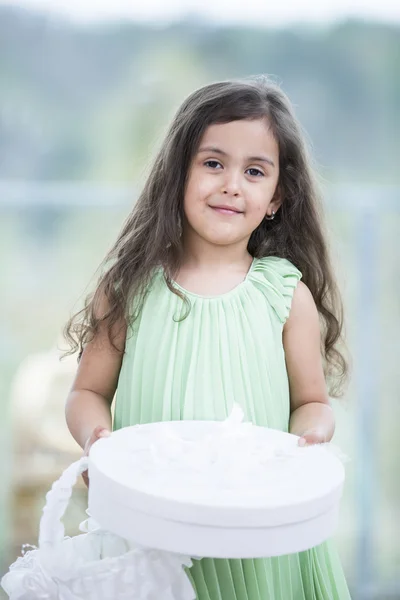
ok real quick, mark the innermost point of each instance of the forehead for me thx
(242, 137)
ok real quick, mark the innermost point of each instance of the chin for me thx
(220, 235)
(223, 240)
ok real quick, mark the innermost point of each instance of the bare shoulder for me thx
(303, 307)
(302, 345)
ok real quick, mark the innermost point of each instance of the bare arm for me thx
(88, 404)
(311, 413)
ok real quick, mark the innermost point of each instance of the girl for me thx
(200, 305)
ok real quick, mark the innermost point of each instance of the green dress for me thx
(228, 349)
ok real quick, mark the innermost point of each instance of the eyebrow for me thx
(216, 150)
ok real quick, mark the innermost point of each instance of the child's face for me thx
(232, 182)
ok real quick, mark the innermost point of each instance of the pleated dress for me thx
(227, 350)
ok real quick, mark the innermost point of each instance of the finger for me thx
(105, 433)
(99, 432)
(310, 438)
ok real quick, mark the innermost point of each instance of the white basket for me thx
(97, 565)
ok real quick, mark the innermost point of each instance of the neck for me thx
(201, 254)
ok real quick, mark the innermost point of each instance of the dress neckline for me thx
(217, 296)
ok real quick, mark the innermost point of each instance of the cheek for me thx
(192, 203)
(261, 200)
(196, 195)
(258, 210)
(189, 195)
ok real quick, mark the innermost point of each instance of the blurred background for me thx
(86, 92)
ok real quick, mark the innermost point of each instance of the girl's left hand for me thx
(312, 436)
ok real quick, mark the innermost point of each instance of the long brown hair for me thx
(151, 235)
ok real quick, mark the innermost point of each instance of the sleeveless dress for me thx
(228, 349)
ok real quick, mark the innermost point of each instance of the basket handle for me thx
(51, 531)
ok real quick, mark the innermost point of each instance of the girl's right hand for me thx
(97, 433)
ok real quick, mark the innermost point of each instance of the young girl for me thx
(200, 305)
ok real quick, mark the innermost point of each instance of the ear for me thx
(276, 201)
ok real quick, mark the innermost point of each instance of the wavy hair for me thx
(151, 235)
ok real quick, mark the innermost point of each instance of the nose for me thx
(231, 184)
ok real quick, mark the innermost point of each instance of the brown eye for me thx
(255, 172)
(213, 164)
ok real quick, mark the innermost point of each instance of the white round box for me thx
(289, 506)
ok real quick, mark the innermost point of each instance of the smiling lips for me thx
(226, 210)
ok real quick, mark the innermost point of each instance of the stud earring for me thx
(271, 217)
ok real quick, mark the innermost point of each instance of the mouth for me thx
(226, 210)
